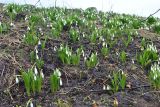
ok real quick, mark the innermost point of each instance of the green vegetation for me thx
(84, 45)
(92, 61)
(55, 80)
(118, 81)
(154, 76)
(32, 82)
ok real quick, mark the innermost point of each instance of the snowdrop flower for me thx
(108, 87)
(40, 29)
(36, 50)
(57, 72)
(28, 28)
(104, 87)
(122, 72)
(31, 104)
(35, 78)
(117, 53)
(133, 61)
(24, 35)
(69, 53)
(85, 58)
(61, 47)
(83, 53)
(83, 35)
(0, 23)
(39, 42)
(60, 82)
(42, 74)
(147, 28)
(55, 48)
(17, 80)
(48, 25)
(11, 24)
(103, 44)
(44, 19)
(35, 70)
(26, 18)
(106, 45)
(37, 57)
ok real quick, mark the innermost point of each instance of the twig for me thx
(55, 3)
(152, 14)
(37, 2)
(150, 92)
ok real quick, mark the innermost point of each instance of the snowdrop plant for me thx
(67, 56)
(104, 49)
(32, 56)
(148, 55)
(32, 81)
(55, 80)
(3, 27)
(123, 56)
(128, 40)
(64, 53)
(154, 76)
(74, 35)
(118, 81)
(31, 39)
(39, 63)
(92, 61)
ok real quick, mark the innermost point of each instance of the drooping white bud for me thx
(108, 87)
(11, 24)
(42, 74)
(17, 80)
(60, 82)
(35, 70)
(39, 42)
(24, 35)
(37, 57)
(35, 78)
(104, 87)
(31, 104)
(28, 28)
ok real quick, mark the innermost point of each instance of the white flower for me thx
(44, 19)
(36, 50)
(103, 44)
(0, 23)
(39, 42)
(83, 53)
(31, 104)
(26, 18)
(83, 35)
(37, 57)
(42, 74)
(122, 72)
(24, 35)
(28, 28)
(55, 48)
(35, 78)
(60, 82)
(133, 61)
(57, 72)
(11, 24)
(17, 80)
(108, 87)
(104, 87)
(106, 45)
(35, 70)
